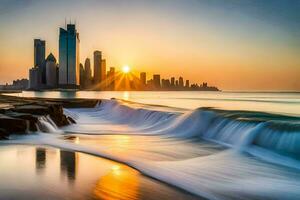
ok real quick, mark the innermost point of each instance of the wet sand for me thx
(38, 172)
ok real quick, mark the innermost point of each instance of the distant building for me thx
(51, 71)
(82, 76)
(111, 79)
(165, 84)
(180, 82)
(150, 84)
(103, 69)
(187, 83)
(97, 67)
(172, 81)
(143, 78)
(19, 84)
(156, 81)
(88, 73)
(69, 57)
(39, 52)
(103, 74)
(35, 78)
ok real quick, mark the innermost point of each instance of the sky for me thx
(233, 44)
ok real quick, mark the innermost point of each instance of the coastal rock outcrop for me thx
(22, 114)
(12, 125)
(54, 110)
(23, 118)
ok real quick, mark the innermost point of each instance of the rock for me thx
(57, 114)
(54, 110)
(32, 109)
(31, 118)
(13, 125)
(3, 134)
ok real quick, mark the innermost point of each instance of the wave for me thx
(235, 129)
(229, 173)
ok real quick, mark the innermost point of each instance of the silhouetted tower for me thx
(180, 82)
(156, 81)
(82, 76)
(172, 81)
(112, 78)
(97, 67)
(187, 83)
(69, 57)
(39, 58)
(88, 72)
(51, 71)
(103, 74)
(39, 52)
(143, 78)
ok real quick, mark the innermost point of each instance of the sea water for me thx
(219, 145)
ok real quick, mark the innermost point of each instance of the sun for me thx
(126, 69)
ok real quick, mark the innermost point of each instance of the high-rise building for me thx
(97, 67)
(88, 73)
(143, 78)
(35, 78)
(187, 83)
(82, 76)
(156, 81)
(173, 81)
(69, 57)
(51, 71)
(112, 78)
(103, 70)
(39, 58)
(180, 82)
(87, 67)
(39, 52)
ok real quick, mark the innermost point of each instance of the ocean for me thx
(217, 145)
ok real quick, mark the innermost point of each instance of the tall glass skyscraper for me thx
(69, 57)
(97, 67)
(39, 52)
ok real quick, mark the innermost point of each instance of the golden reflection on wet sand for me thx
(120, 183)
(29, 172)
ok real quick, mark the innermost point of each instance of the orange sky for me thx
(202, 42)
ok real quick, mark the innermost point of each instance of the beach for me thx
(201, 152)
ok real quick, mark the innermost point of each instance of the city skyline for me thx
(69, 73)
(169, 44)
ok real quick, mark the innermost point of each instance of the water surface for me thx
(30, 172)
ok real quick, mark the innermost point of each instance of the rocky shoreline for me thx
(20, 115)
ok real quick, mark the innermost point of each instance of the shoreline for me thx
(175, 187)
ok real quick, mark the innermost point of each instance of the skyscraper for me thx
(69, 57)
(143, 78)
(82, 76)
(51, 71)
(39, 58)
(34, 78)
(111, 79)
(180, 82)
(87, 67)
(39, 52)
(88, 72)
(173, 81)
(97, 67)
(156, 81)
(103, 74)
(187, 83)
